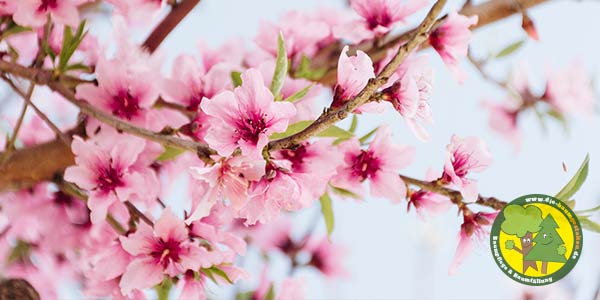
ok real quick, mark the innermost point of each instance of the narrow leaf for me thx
(169, 154)
(367, 136)
(336, 132)
(354, 124)
(590, 210)
(327, 211)
(588, 224)
(345, 193)
(236, 78)
(575, 183)
(281, 68)
(299, 94)
(508, 50)
(305, 71)
(221, 274)
(292, 129)
(271, 293)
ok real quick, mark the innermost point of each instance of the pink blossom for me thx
(326, 257)
(190, 82)
(474, 228)
(8, 7)
(246, 117)
(166, 249)
(191, 288)
(409, 90)
(292, 289)
(380, 163)
(34, 12)
(301, 33)
(139, 11)
(227, 179)
(464, 155)
(378, 18)
(503, 120)
(451, 41)
(312, 167)
(353, 75)
(426, 202)
(108, 173)
(570, 91)
(123, 91)
(277, 190)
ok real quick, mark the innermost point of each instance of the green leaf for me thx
(78, 66)
(212, 271)
(163, 289)
(587, 211)
(169, 153)
(271, 293)
(13, 29)
(304, 70)
(508, 50)
(299, 94)
(292, 129)
(354, 124)
(236, 78)
(327, 211)
(345, 193)
(281, 68)
(70, 43)
(367, 136)
(332, 131)
(588, 224)
(575, 183)
(336, 132)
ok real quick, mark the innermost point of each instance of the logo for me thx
(536, 240)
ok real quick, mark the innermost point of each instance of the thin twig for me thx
(164, 28)
(331, 117)
(61, 135)
(454, 195)
(44, 77)
(10, 145)
(135, 212)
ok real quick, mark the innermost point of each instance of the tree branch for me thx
(488, 13)
(454, 195)
(331, 117)
(177, 13)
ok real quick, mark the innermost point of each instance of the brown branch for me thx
(454, 195)
(43, 77)
(488, 13)
(177, 13)
(331, 117)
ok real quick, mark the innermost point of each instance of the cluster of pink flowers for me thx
(567, 93)
(118, 221)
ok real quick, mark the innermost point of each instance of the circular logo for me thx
(536, 239)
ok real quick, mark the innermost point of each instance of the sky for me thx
(392, 254)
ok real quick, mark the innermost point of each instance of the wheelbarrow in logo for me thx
(536, 240)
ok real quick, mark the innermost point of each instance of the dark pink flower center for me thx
(109, 179)
(318, 261)
(194, 102)
(250, 129)
(365, 165)
(384, 20)
(47, 4)
(166, 252)
(296, 157)
(461, 163)
(62, 199)
(125, 105)
(435, 39)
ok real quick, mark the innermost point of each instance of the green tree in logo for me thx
(522, 222)
(549, 246)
